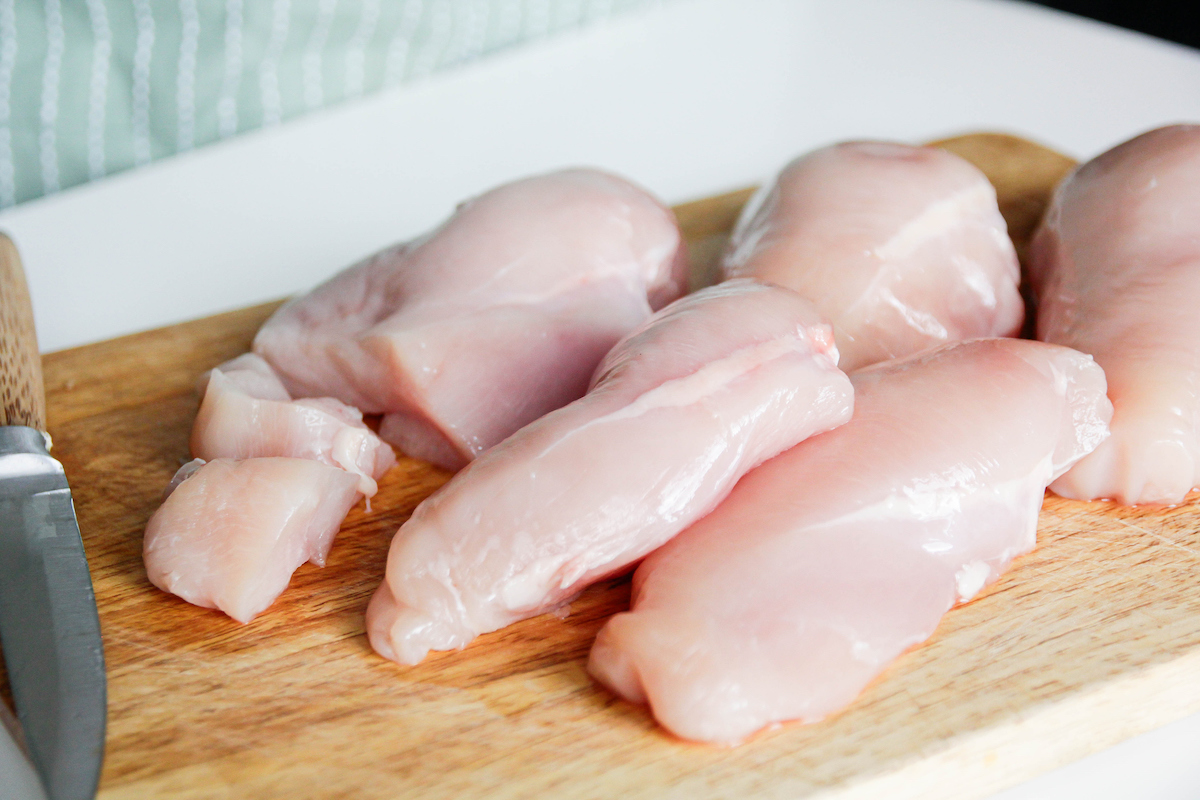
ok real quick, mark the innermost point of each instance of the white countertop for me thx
(689, 99)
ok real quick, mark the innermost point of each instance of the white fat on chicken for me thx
(498, 316)
(902, 248)
(707, 389)
(1116, 270)
(829, 561)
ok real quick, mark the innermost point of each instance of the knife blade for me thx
(49, 628)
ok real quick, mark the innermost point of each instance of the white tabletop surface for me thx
(690, 98)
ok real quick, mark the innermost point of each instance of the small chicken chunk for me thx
(231, 533)
(247, 413)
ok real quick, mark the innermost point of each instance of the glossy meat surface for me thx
(710, 387)
(1116, 270)
(231, 533)
(902, 248)
(829, 561)
(482, 326)
(247, 413)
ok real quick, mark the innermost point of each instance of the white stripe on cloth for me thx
(311, 62)
(597, 9)
(231, 82)
(268, 69)
(143, 15)
(400, 48)
(356, 48)
(185, 80)
(509, 26)
(568, 13)
(441, 33)
(537, 18)
(98, 87)
(472, 35)
(51, 75)
(8, 61)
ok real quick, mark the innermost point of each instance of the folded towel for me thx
(92, 88)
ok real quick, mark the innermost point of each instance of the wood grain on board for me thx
(1093, 637)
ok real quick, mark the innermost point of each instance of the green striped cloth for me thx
(93, 87)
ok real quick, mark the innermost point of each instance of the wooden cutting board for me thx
(1092, 638)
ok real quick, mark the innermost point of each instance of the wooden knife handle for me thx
(22, 394)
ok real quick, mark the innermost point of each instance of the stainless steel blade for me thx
(48, 623)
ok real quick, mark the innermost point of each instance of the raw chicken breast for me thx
(1116, 270)
(231, 533)
(901, 248)
(247, 413)
(829, 561)
(710, 387)
(492, 320)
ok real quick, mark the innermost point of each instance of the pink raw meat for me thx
(829, 561)
(707, 389)
(231, 533)
(497, 317)
(247, 413)
(902, 248)
(1116, 270)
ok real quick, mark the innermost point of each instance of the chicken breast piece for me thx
(251, 375)
(482, 326)
(1116, 269)
(247, 413)
(902, 248)
(710, 387)
(231, 533)
(829, 561)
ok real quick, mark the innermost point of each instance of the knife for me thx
(49, 629)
